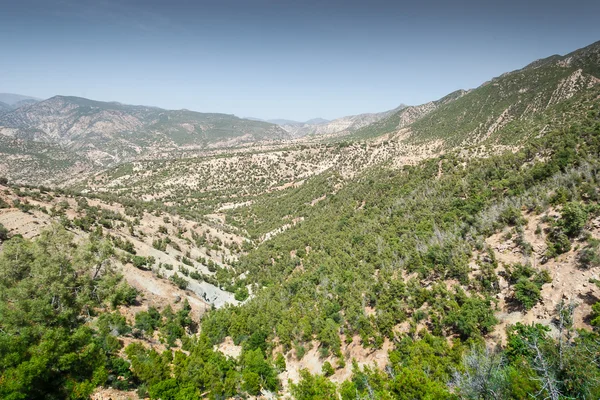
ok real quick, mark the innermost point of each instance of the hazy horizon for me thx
(278, 60)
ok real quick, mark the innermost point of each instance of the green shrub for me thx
(280, 363)
(558, 242)
(327, 369)
(109, 323)
(527, 293)
(313, 387)
(3, 233)
(180, 282)
(573, 218)
(184, 270)
(159, 244)
(595, 316)
(148, 321)
(195, 275)
(511, 216)
(241, 294)
(589, 256)
(139, 262)
(473, 318)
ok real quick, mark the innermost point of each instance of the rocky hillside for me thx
(398, 119)
(163, 254)
(102, 134)
(502, 109)
(312, 121)
(498, 109)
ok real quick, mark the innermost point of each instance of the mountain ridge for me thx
(106, 133)
(465, 117)
(61, 117)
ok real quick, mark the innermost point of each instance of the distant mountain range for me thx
(11, 101)
(82, 122)
(314, 121)
(338, 127)
(98, 134)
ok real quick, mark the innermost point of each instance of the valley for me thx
(402, 254)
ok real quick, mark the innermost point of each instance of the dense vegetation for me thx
(49, 290)
(345, 257)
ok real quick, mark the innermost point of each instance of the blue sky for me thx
(278, 58)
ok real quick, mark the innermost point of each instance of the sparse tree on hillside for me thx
(484, 376)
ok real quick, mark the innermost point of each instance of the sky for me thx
(293, 59)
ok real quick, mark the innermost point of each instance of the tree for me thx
(546, 374)
(148, 321)
(3, 233)
(589, 256)
(258, 370)
(527, 293)
(573, 218)
(558, 242)
(327, 369)
(484, 375)
(313, 387)
(280, 363)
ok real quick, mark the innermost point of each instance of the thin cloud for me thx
(114, 14)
